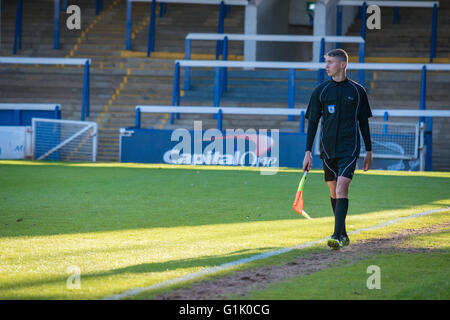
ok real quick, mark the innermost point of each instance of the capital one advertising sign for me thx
(231, 147)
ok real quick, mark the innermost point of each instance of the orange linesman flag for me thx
(298, 202)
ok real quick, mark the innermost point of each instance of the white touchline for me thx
(260, 256)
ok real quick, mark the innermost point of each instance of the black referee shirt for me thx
(344, 110)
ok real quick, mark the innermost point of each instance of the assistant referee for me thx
(343, 108)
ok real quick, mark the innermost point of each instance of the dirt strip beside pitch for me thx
(241, 282)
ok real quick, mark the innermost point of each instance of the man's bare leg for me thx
(342, 187)
(332, 187)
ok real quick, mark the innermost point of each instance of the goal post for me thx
(391, 140)
(64, 140)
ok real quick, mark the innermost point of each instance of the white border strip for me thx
(410, 113)
(225, 110)
(313, 65)
(29, 106)
(211, 2)
(285, 111)
(84, 123)
(26, 60)
(228, 265)
(272, 37)
(408, 4)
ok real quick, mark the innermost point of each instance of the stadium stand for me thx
(408, 40)
(122, 79)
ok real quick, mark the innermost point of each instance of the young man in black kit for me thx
(343, 106)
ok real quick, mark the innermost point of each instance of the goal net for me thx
(64, 140)
(393, 140)
(390, 140)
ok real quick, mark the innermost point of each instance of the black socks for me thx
(333, 204)
(340, 208)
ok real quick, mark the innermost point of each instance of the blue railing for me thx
(151, 31)
(98, 6)
(152, 24)
(18, 30)
(220, 77)
(220, 29)
(269, 38)
(57, 10)
(433, 34)
(395, 15)
(363, 8)
(85, 106)
(218, 112)
(223, 10)
(56, 22)
(21, 114)
(292, 66)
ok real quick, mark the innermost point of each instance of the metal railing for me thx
(61, 61)
(58, 7)
(395, 4)
(220, 111)
(220, 80)
(18, 109)
(267, 38)
(152, 26)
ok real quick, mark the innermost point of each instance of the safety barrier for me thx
(20, 114)
(268, 38)
(220, 111)
(56, 22)
(396, 4)
(60, 61)
(152, 26)
(220, 81)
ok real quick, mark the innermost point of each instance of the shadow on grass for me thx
(60, 199)
(159, 267)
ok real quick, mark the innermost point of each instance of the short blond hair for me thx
(339, 53)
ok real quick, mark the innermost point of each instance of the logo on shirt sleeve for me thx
(331, 108)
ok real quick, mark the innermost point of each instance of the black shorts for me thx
(334, 168)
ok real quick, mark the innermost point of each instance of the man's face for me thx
(334, 65)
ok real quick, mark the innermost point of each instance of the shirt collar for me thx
(340, 82)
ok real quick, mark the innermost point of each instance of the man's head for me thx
(336, 61)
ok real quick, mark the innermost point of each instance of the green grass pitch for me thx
(126, 226)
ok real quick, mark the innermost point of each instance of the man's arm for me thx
(311, 133)
(364, 115)
(313, 114)
(312, 129)
(365, 132)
